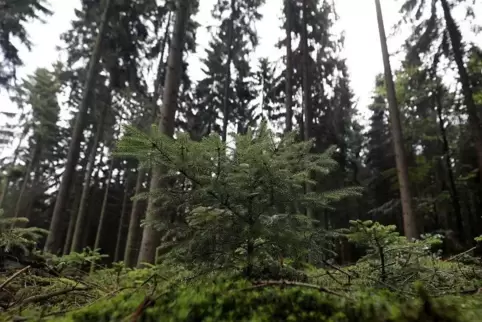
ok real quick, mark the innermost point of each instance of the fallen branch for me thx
(264, 284)
(148, 302)
(11, 278)
(461, 254)
(43, 297)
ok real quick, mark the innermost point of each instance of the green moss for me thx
(237, 301)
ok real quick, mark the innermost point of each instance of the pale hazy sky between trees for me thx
(357, 20)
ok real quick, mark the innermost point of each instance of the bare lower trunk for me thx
(409, 221)
(20, 198)
(450, 172)
(100, 226)
(80, 218)
(54, 239)
(73, 212)
(150, 236)
(75, 208)
(32, 165)
(117, 253)
(134, 224)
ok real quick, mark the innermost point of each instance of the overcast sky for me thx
(357, 19)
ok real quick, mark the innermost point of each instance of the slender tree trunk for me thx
(135, 216)
(104, 206)
(458, 50)
(78, 194)
(158, 89)
(32, 165)
(289, 67)
(227, 80)
(450, 172)
(6, 185)
(409, 220)
(33, 193)
(150, 236)
(308, 117)
(134, 223)
(117, 253)
(72, 221)
(80, 218)
(54, 239)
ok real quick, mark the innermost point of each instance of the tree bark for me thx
(150, 236)
(450, 172)
(32, 166)
(409, 221)
(308, 116)
(227, 80)
(54, 239)
(289, 67)
(104, 205)
(135, 216)
(458, 50)
(117, 252)
(80, 218)
(134, 223)
(73, 212)
(78, 194)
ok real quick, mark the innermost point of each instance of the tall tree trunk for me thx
(117, 252)
(307, 113)
(458, 50)
(104, 206)
(150, 236)
(289, 67)
(409, 221)
(135, 220)
(80, 218)
(450, 172)
(227, 80)
(135, 216)
(54, 239)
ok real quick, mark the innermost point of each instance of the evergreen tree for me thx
(38, 94)
(13, 17)
(227, 87)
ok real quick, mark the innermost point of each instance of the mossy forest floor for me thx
(173, 293)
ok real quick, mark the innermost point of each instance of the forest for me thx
(257, 193)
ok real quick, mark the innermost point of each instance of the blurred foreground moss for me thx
(241, 301)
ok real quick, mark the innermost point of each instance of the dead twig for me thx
(264, 284)
(11, 278)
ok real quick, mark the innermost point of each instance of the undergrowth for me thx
(395, 281)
